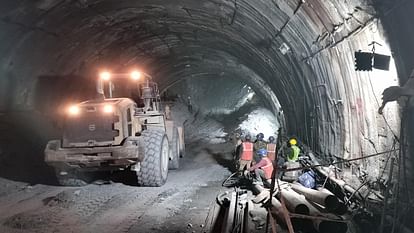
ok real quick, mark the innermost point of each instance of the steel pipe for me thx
(277, 212)
(335, 224)
(295, 202)
(341, 209)
(329, 201)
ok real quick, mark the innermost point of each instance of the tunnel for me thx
(287, 65)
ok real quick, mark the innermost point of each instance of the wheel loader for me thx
(123, 128)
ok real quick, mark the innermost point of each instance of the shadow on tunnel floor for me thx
(21, 149)
(222, 155)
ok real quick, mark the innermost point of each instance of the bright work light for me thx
(135, 75)
(108, 109)
(105, 75)
(73, 110)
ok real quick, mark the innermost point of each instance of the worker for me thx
(237, 142)
(271, 148)
(263, 169)
(293, 150)
(259, 144)
(189, 104)
(167, 112)
(246, 154)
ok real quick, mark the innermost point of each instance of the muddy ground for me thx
(186, 203)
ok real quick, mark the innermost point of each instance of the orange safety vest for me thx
(247, 153)
(271, 151)
(268, 168)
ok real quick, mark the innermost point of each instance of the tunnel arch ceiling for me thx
(325, 102)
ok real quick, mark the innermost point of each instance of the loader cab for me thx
(142, 90)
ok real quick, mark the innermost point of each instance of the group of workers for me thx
(260, 157)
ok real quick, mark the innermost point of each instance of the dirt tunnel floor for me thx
(186, 203)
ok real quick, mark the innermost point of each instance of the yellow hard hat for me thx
(293, 141)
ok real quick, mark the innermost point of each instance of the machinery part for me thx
(228, 223)
(174, 162)
(108, 134)
(154, 168)
(291, 176)
(232, 180)
(66, 178)
(93, 158)
(223, 199)
(329, 201)
(236, 213)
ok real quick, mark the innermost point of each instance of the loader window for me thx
(129, 120)
(122, 88)
(129, 129)
(129, 115)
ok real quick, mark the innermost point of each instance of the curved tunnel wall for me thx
(397, 18)
(326, 103)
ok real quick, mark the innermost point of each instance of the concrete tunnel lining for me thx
(80, 37)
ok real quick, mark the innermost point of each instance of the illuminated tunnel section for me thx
(230, 105)
(296, 55)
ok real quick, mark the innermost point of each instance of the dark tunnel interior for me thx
(248, 65)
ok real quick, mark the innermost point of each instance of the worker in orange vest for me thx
(263, 169)
(271, 148)
(246, 153)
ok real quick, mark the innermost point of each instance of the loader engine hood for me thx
(97, 123)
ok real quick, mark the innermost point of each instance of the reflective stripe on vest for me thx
(271, 150)
(268, 168)
(247, 153)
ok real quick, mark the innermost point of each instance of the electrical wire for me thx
(383, 117)
(340, 162)
(229, 182)
(356, 190)
(397, 196)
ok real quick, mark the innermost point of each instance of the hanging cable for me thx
(376, 100)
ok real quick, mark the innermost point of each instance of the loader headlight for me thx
(108, 109)
(135, 75)
(73, 110)
(105, 75)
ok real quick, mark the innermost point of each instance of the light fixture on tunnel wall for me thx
(365, 61)
(381, 62)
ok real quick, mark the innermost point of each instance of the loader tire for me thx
(153, 169)
(71, 179)
(174, 163)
